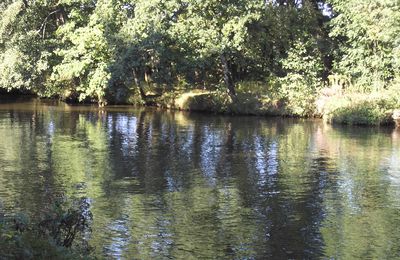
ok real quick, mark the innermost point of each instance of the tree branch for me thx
(43, 26)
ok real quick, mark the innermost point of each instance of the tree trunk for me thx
(137, 82)
(228, 77)
(25, 3)
(61, 16)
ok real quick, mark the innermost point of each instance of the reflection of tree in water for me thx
(283, 209)
(361, 218)
(190, 185)
(25, 150)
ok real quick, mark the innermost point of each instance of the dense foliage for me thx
(59, 234)
(123, 51)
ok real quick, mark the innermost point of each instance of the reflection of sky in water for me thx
(347, 186)
(210, 151)
(167, 134)
(170, 210)
(266, 160)
(110, 128)
(273, 159)
(161, 239)
(185, 142)
(261, 156)
(127, 128)
(393, 167)
(119, 232)
(171, 181)
(51, 128)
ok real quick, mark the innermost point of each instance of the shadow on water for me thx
(181, 185)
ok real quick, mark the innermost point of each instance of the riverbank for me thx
(333, 105)
(336, 107)
(376, 108)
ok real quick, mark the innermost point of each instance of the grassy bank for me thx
(362, 109)
(220, 102)
(252, 98)
(352, 108)
(333, 104)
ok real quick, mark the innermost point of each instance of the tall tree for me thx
(218, 30)
(368, 43)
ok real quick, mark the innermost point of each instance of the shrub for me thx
(362, 109)
(59, 235)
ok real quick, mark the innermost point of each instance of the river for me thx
(179, 185)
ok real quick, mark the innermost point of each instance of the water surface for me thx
(175, 185)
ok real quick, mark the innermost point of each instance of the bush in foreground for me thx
(58, 235)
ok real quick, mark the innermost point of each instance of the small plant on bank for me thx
(362, 109)
(59, 235)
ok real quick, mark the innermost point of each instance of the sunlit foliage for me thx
(123, 51)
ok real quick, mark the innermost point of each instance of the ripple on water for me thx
(194, 186)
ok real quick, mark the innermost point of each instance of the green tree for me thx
(368, 43)
(218, 31)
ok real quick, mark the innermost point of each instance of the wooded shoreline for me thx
(344, 109)
(335, 59)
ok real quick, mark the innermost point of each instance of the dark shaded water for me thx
(187, 186)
